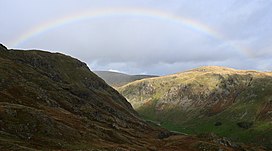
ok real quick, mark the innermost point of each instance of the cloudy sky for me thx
(144, 36)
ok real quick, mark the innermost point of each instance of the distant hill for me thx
(117, 79)
(228, 102)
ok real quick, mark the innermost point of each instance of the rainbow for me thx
(87, 15)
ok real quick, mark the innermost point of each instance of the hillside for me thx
(117, 79)
(228, 102)
(50, 101)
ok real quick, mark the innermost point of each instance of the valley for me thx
(51, 101)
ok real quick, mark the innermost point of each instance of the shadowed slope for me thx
(51, 99)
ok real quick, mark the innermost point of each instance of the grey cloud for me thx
(142, 44)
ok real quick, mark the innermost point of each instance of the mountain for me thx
(228, 102)
(117, 79)
(50, 101)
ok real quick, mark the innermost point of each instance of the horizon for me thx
(116, 71)
(144, 37)
(123, 72)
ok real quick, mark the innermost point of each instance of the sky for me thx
(156, 37)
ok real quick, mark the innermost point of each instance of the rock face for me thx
(50, 101)
(239, 102)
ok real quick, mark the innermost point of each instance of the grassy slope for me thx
(215, 94)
